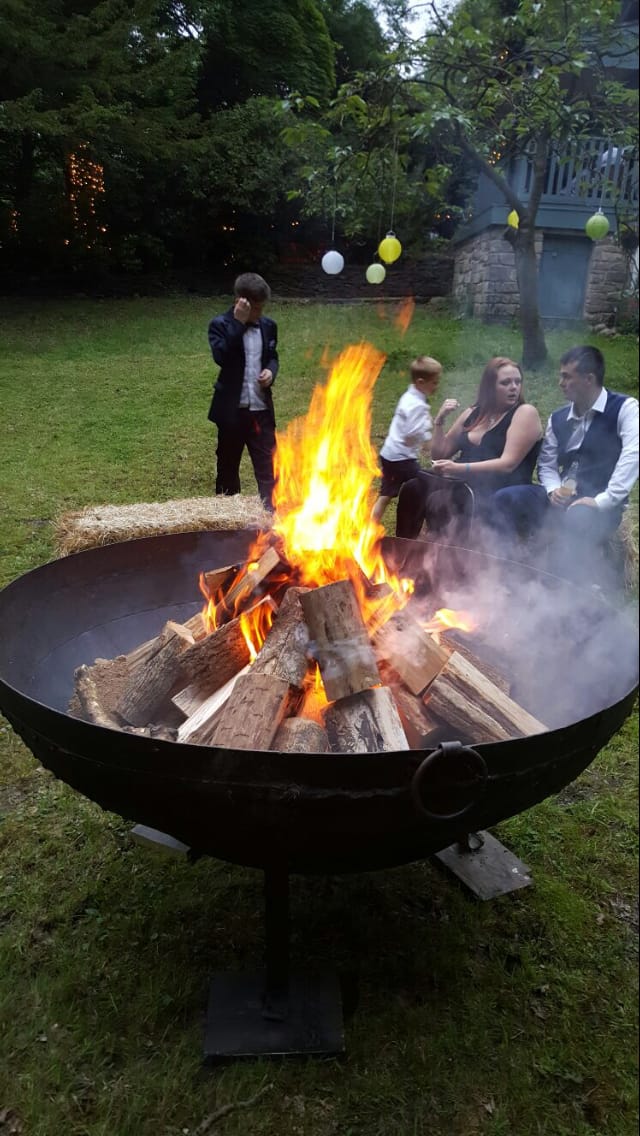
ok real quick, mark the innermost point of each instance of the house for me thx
(579, 279)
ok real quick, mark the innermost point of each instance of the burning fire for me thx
(255, 625)
(446, 619)
(325, 465)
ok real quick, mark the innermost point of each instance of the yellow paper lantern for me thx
(597, 226)
(513, 219)
(375, 274)
(389, 248)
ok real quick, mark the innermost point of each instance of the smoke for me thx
(566, 650)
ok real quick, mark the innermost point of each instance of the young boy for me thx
(244, 344)
(410, 430)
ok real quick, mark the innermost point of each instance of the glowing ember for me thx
(405, 314)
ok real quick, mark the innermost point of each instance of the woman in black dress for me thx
(491, 445)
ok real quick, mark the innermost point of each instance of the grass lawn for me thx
(513, 1018)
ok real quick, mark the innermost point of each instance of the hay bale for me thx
(108, 524)
(623, 550)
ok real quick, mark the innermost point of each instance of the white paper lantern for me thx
(375, 273)
(332, 262)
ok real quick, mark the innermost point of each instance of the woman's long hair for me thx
(485, 403)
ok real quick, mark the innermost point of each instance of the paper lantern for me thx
(597, 226)
(375, 273)
(513, 220)
(389, 248)
(332, 262)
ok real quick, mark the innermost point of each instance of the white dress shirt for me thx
(625, 473)
(251, 394)
(410, 427)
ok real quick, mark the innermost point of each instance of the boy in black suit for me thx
(244, 345)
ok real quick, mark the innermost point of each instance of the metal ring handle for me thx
(448, 751)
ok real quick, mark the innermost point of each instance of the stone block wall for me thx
(608, 276)
(485, 286)
(484, 276)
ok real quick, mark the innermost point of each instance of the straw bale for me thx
(108, 524)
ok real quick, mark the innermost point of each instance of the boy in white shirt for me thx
(410, 430)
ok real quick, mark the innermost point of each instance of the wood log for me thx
(412, 652)
(244, 589)
(200, 724)
(252, 713)
(339, 639)
(218, 579)
(285, 650)
(300, 735)
(367, 722)
(91, 705)
(143, 652)
(454, 641)
(472, 706)
(149, 685)
(421, 729)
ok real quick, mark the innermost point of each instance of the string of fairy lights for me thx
(86, 183)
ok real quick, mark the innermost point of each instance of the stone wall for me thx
(484, 278)
(485, 286)
(430, 276)
(608, 273)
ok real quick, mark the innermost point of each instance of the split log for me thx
(149, 684)
(285, 650)
(200, 724)
(143, 652)
(90, 702)
(252, 714)
(367, 722)
(244, 589)
(300, 735)
(340, 642)
(460, 644)
(472, 706)
(421, 728)
(411, 651)
(219, 578)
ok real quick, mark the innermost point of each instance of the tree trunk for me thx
(534, 348)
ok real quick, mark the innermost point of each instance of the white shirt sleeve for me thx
(625, 473)
(548, 473)
(417, 426)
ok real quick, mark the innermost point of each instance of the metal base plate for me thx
(310, 1025)
(489, 870)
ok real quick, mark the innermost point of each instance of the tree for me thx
(507, 78)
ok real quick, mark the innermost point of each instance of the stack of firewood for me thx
(390, 686)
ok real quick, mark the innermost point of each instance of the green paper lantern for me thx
(389, 248)
(597, 226)
(375, 274)
(513, 220)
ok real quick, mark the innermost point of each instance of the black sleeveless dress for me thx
(491, 445)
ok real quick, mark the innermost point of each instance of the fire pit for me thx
(314, 812)
(290, 812)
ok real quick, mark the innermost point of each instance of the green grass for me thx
(514, 1018)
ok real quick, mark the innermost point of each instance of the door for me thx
(562, 276)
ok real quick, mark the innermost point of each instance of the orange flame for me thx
(405, 314)
(446, 619)
(255, 625)
(325, 465)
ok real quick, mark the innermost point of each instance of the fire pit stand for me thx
(274, 1013)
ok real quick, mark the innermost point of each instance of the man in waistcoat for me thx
(587, 467)
(244, 344)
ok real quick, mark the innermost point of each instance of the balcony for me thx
(589, 175)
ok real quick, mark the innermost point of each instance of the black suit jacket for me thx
(226, 342)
